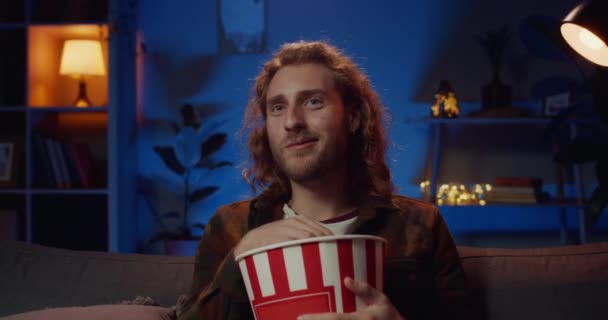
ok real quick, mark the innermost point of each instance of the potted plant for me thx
(495, 94)
(191, 151)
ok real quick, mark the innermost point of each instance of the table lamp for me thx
(585, 29)
(82, 59)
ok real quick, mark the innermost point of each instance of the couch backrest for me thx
(34, 277)
(569, 282)
(547, 283)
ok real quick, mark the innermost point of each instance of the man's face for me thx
(306, 122)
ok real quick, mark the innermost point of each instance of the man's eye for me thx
(276, 109)
(314, 103)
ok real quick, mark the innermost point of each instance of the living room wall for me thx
(406, 48)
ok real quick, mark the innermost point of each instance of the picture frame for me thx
(10, 161)
(554, 104)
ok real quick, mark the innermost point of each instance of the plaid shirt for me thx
(424, 278)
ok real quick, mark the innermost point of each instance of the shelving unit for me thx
(439, 125)
(67, 192)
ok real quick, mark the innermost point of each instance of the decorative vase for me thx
(495, 94)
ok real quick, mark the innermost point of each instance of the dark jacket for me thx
(423, 278)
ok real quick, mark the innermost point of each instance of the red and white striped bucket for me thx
(298, 277)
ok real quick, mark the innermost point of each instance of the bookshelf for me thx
(508, 129)
(64, 183)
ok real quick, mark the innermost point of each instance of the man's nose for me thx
(294, 119)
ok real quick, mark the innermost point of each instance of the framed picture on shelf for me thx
(10, 153)
(552, 105)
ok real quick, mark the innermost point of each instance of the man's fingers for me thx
(381, 309)
(364, 291)
(315, 227)
(293, 228)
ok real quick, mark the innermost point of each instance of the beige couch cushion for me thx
(100, 312)
(543, 283)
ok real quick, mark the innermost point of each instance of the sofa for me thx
(567, 282)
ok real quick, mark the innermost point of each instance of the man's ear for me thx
(354, 121)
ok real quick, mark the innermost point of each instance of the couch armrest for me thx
(36, 277)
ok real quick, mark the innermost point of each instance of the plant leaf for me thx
(221, 164)
(189, 116)
(212, 144)
(187, 147)
(167, 154)
(201, 194)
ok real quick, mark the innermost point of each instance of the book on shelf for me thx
(85, 163)
(507, 181)
(515, 189)
(70, 166)
(62, 165)
(516, 195)
(79, 166)
(505, 197)
(43, 171)
(55, 166)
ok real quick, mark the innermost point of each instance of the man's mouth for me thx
(302, 143)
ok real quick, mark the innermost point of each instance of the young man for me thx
(317, 147)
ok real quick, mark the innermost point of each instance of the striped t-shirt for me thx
(338, 226)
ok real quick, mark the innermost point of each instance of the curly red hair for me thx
(368, 170)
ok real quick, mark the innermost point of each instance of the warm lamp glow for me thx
(82, 58)
(586, 43)
(590, 40)
(585, 29)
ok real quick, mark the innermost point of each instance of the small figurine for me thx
(446, 104)
(450, 106)
(436, 108)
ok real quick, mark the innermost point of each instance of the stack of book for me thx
(62, 165)
(525, 190)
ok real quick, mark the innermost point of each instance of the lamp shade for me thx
(585, 29)
(82, 57)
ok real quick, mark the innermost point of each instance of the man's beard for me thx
(306, 166)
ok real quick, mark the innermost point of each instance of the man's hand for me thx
(292, 228)
(378, 306)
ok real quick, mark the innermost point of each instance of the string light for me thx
(458, 194)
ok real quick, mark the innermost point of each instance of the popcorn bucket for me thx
(288, 279)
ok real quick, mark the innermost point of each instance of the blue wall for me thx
(406, 47)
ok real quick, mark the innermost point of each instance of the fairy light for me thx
(459, 194)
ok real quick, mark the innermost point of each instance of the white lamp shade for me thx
(586, 43)
(82, 57)
(585, 29)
